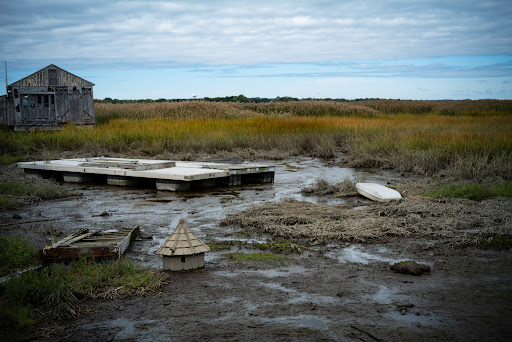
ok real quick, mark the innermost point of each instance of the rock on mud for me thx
(410, 267)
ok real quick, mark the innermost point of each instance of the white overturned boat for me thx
(378, 192)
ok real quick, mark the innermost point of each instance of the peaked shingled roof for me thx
(40, 79)
(182, 242)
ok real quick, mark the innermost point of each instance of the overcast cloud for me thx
(414, 39)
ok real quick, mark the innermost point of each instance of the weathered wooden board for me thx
(91, 245)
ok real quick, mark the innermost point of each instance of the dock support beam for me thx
(267, 177)
(32, 172)
(122, 181)
(235, 180)
(77, 177)
(206, 183)
(172, 185)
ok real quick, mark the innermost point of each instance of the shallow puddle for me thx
(298, 297)
(409, 318)
(361, 254)
(126, 329)
(303, 321)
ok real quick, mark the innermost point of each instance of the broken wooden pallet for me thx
(106, 244)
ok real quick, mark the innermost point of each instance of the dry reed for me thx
(413, 217)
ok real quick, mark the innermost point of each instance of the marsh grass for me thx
(50, 293)
(15, 253)
(468, 139)
(474, 191)
(18, 189)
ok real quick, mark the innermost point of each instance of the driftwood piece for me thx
(366, 332)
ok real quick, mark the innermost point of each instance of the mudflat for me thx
(335, 284)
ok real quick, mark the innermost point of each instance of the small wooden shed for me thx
(47, 99)
(183, 250)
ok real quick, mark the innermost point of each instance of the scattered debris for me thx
(410, 267)
(96, 245)
(183, 250)
(105, 213)
(145, 236)
(403, 307)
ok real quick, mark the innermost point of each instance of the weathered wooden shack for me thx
(48, 99)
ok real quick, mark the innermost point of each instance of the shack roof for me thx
(182, 242)
(51, 76)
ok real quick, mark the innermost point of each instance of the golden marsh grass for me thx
(471, 141)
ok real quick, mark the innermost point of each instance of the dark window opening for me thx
(52, 77)
(182, 259)
(47, 100)
(39, 100)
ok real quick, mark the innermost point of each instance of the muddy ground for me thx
(337, 291)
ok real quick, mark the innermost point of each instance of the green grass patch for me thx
(7, 203)
(279, 246)
(498, 242)
(476, 192)
(257, 257)
(223, 245)
(15, 253)
(43, 190)
(16, 193)
(14, 188)
(54, 293)
(11, 159)
(111, 280)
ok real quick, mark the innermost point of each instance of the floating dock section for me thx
(165, 174)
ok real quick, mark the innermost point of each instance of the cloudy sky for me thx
(411, 49)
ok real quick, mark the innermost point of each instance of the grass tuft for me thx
(475, 192)
(321, 187)
(15, 253)
(18, 189)
(51, 293)
(256, 257)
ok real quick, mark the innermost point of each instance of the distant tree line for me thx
(240, 98)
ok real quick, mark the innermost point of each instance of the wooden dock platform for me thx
(165, 174)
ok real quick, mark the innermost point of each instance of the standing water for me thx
(158, 212)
